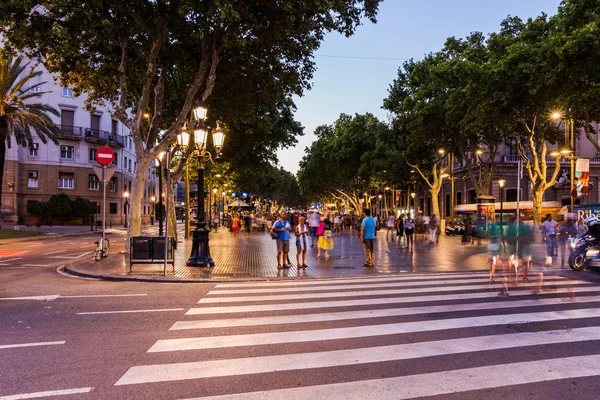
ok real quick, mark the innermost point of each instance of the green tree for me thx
(20, 118)
(162, 57)
(60, 206)
(83, 208)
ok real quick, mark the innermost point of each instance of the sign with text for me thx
(582, 178)
(105, 155)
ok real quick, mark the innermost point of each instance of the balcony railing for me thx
(69, 131)
(511, 159)
(99, 136)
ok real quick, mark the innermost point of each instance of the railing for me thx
(71, 131)
(97, 135)
(511, 159)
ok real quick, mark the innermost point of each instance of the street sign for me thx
(110, 171)
(105, 156)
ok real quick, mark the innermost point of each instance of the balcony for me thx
(511, 159)
(99, 136)
(70, 132)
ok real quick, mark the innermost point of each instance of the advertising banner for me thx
(582, 177)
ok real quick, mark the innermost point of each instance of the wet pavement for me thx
(250, 256)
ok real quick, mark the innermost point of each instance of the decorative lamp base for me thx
(200, 255)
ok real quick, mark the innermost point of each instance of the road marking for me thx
(73, 256)
(436, 383)
(89, 245)
(389, 312)
(37, 395)
(355, 280)
(41, 298)
(12, 346)
(4, 262)
(104, 295)
(129, 311)
(36, 265)
(54, 252)
(366, 302)
(258, 339)
(303, 296)
(430, 283)
(336, 358)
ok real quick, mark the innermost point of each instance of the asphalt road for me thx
(438, 336)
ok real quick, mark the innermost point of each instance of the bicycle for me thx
(102, 249)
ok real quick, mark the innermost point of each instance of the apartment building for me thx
(44, 169)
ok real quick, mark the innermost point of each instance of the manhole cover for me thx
(543, 326)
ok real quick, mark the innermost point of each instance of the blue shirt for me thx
(369, 225)
(284, 235)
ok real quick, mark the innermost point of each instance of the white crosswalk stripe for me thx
(239, 331)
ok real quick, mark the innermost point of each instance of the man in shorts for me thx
(283, 227)
(367, 234)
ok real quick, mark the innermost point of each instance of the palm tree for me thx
(19, 117)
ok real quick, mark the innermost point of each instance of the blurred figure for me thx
(494, 248)
(567, 230)
(325, 241)
(391, 222)
(302, 232)
(550, 227)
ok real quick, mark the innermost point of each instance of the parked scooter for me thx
(585, 251)
(457, 229)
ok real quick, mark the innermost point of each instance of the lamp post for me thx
(501, 182)
(159, 212)
(200, 253)
(126, 195)
(153, 210)
(413, 194)
(568, 151)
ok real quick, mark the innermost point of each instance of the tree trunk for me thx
(538, 196)
(435, 203)
(172, 221)
(2, 160)
(137, 197)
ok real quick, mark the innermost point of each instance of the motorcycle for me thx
(584, 252)
(458, 229)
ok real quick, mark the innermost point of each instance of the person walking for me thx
(390, 225)
(302, 232)
(367, 234)
(409, 229)
(550, 228)
(235, 224)
(337, 224)
(283, 227)
(313, 223)
(567, 230)
(433, 221)
(325, 241)
(247, 224)
(400, 231)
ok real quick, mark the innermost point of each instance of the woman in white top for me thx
(302, 231)
(391, 222)
(409, 229)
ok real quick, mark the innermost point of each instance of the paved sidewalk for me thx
(241, 257)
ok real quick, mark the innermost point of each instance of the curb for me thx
(42, 237)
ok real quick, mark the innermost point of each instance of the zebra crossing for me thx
(397, 337)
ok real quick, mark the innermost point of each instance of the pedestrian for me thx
(409, 229)
(391, 223)
(302, 232)
(433, 221)
(313, 223)
(400, 231)
(550, 227)
(235, 224)
(337, 224)
(325, 241)
(567, 230)
(215, 222)
(247, 223)
(367, 233)
(283, 227)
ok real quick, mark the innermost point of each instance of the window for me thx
(447, 204)
(35, 89)
(92, 154)
(511, 148)
(129, 165)
(511, 194)
(112, 185)
(115, 160)
(114, 128)
(93, 182)
(66, 180)
(66, 92)
(125, 164)
(32, 179)
(67, 119)
(112, 208)
(95, 123)
(472, 196)
(458, 198)
(33, 149)
(67, 152)
(134, 166)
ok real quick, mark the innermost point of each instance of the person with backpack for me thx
(283, 227)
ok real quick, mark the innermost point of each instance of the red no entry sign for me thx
(105, 156)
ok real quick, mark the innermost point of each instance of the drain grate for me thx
(543, 326)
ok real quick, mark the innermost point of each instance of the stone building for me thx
(44, 169)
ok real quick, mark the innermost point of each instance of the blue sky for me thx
(405, 29)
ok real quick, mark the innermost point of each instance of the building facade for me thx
(43, 169)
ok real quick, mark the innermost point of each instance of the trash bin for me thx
(141, 247)
(158, 248)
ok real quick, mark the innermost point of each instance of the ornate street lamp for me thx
(200, 253)
(501, 182)
(159, 213)
(153, 199)
(126, 195)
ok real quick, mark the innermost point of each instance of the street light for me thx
(126, 195)
(413, 194)
(200, 253)
(501, 182)
(153, 209)
(568, 151)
